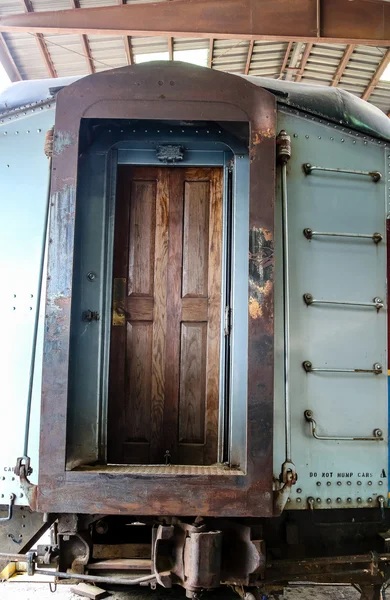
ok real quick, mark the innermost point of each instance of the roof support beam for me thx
(211, 54)
(304, 59)
(343, 64)
(377, 75)
(292, 67)
(127, 42)
(285, 60)
(8, 62)
(28, 8)
(249, 57)
(332, 21)
(170, 48)
(85, 44)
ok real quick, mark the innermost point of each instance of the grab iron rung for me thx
(308, 169)
(376, 437)
(307, 365)
(376, 303)
(375, 237)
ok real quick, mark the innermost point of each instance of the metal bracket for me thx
(90, 315)
(377, 433)
(307, 365)
(170, 153)
(375, 237)
(23, 470)
(10, 507)
(376, 303)
(375, 175)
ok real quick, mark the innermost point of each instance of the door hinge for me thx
(227, 320)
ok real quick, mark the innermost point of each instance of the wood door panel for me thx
(142, 236)
(195, 238)
(139, 385)
(165, 375)
(192, 400)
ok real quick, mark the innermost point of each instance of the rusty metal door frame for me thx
(160, 91)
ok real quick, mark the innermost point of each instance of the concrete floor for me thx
(41, 591)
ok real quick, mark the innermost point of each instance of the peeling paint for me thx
(62, 140)
(258, 137)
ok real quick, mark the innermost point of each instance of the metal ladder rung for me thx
(376, 303)
(376, 437)
(308, 170)
(310, 234)
(307, 365)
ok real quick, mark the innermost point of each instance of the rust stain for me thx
(256, 304)
(255, 309)
(259, 136)
(267, 235)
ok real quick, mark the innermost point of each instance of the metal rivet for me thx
(288, 499)
(359, 483)
(298, 500)
(364, 142)
(353, 141)
(296, 135)
(91, 276)
(332, 138)
(5, 133)
(338, 500)
(319, 500)
(307, 137)
(318, 483)
(369, 500)
(16, 132)
(39, 130)
(349, 483)
(342, 140)
(328, 500)
(339, 483)
(359, 500)
(299, 491)
(319, 137)
(380, 482)
(349, 500)
(328, 483)
(369, 482)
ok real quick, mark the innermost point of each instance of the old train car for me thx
(194, 330)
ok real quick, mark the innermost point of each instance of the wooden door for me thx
(166, 335)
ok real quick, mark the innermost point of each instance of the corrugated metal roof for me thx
(267, 59)
(230, 55)
(26, 54)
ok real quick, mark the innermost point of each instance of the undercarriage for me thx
(251, 556)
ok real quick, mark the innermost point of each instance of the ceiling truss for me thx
(28, 8)
(320, 23)
(85, 44)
